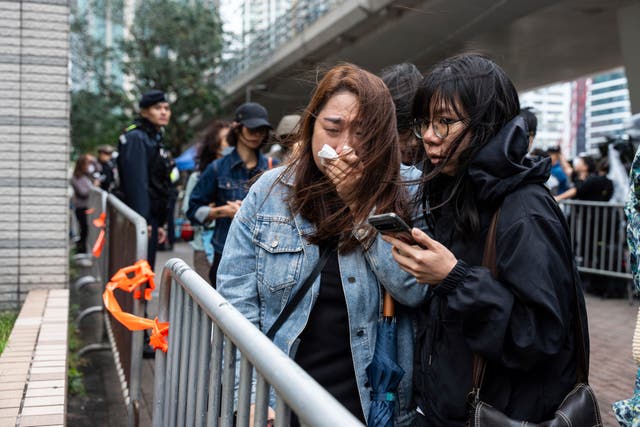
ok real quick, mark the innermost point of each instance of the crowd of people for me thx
(449, 152)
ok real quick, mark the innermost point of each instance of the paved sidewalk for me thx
(611, 324)
(612, 369)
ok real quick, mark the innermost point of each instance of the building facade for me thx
(34, 147)
(607, 107)
(551, 106)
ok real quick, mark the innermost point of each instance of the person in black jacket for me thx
(144, 167)
(521, 321)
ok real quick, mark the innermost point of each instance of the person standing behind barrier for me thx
(588, 183)
(294, 213)
(561, 170)
(211, 147)
(82, 180)
(108, 168)
(520, 322)
(402, 81)
(224, 183)
(144, 167)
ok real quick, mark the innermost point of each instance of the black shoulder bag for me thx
(578, 408)
(297, 297)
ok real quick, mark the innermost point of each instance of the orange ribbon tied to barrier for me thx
(99, 222)
(131, 279)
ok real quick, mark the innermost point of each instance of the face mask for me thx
(91, 169)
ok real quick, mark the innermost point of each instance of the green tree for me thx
(172, 45)
(95, 120)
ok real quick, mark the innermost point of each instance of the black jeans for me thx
(81, 216)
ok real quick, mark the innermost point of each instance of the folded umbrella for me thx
(384, 372)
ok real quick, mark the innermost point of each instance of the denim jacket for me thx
(266, 258)
(225, 179)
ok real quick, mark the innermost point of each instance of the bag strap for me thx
(297, 297)
(479, 363)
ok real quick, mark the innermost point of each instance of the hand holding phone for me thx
(392, 224)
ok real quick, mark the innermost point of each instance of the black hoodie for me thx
(521, 323)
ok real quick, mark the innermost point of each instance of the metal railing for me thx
(195, 380)
(598, 232)
(125, 243)
(263, 43)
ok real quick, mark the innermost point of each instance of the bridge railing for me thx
(195, 379)
(263, 43)
(598, 232)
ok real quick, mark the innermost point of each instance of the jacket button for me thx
(360, 333)
(351, 279)
(274, 243)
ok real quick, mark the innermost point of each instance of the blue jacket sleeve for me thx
(133, 166)
(203, 193)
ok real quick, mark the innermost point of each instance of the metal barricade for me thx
(126, 242)
(195, 379)
(598, 232)
(92, 281)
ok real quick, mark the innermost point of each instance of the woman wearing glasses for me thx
(520, 322)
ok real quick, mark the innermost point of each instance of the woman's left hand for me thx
(429, 264)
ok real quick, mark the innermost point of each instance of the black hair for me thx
(484, 98)
(530, 119)
(590, 163)
(209, 149)
(234, 134)
(402, 80)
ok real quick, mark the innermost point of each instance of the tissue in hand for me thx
(327, 153)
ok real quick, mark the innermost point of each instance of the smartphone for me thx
(392, 224)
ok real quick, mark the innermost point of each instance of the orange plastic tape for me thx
(141, 274)
(101, 220)
(98, 245)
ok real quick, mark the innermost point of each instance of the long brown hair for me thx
(82, 164)
(209, 149)
(379, 188)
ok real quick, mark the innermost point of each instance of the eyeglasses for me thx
(440, 126)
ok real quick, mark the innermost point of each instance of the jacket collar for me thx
(236, 160)
(148, 127)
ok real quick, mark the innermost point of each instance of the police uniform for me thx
(144, 169)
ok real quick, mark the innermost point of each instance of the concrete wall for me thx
(34, 146)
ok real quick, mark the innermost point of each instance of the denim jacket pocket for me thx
(231, 188)
(280, 255)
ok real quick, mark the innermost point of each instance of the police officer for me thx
(108, 169)
(144, 167)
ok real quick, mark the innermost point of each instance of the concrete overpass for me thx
(538, 42)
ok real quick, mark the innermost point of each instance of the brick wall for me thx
(34, 146)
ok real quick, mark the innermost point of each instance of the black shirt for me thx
(595, 188)
(325, 348)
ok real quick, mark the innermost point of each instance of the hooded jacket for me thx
(521, 322)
